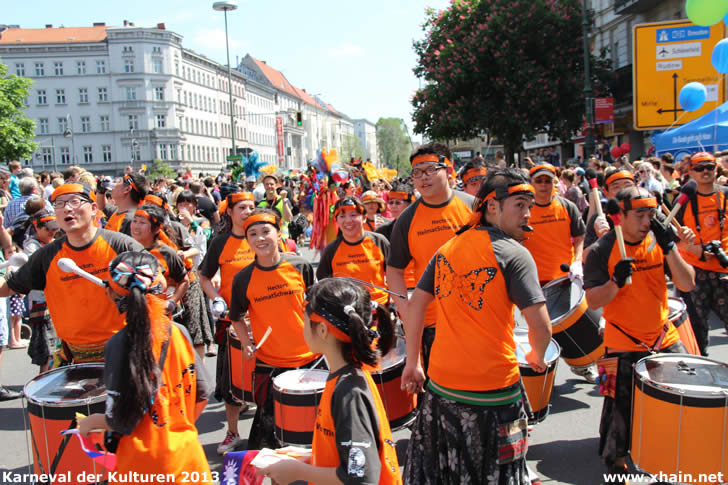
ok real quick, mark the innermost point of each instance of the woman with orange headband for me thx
(355, 252)
(157, 385)
(229, 252)
(271, 291)
(472, 176)
(42, 337)
(352, 441)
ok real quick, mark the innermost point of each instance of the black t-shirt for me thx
(206, 207)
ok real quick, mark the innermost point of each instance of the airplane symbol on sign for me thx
(663, 52)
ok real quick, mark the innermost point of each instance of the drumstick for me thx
(17, 259)
(614, 212)
(595, 191)
(666, 211)
(366, 283)
(67, 265)
(265, 337)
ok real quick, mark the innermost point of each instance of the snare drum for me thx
(296, 394)
(680, 416)
(575, 326)
(54, 398)
(400, 405)
(681, 321)
(241, 369)
(538, 385)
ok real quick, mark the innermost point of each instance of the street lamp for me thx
(588, 93)
(226, 6)
(68, 133)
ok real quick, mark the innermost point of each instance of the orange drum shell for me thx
(539, 394)
(241, 376)
(681, 322)
(400, 405)
(295, 416)
(659, 425)
(579, 329)
(46, 438)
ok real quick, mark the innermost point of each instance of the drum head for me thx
(67, 386)
(562, 297)
(675, 306)
(687, 374)
(552, 351)
(301, 381)
(396, 355)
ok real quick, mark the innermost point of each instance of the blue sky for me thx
(358, 55)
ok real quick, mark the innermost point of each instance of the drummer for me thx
(374, 206)
(557, 237)
(400, 197)
(472, 176)
(355, 252)
(152, 405)
(271, 290)
(474, 390)
(83, 317)
(229, 252)
(630, 335)
(597, 226)
(127, 195)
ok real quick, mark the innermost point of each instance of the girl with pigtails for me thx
(156, 384)
(352, 440)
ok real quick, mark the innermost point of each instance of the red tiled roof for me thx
(277, 78)
(58, 35)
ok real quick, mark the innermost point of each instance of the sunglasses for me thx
(701, 168)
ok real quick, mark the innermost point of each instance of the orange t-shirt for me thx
(352, 432)
(120, 221)
(639, 309)
(82, 313)
(228, 253)
(550, 243)
(364, 260)
(274, 297)
(709, 228)
(420, 231)
(475, 291)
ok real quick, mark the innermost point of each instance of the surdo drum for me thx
(296, 394)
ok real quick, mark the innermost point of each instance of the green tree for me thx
(16, 131)
(512, 68)
(393, 144)
(161, 169)
(350, 148)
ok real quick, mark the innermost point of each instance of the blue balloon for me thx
(692, 96)
(719, 57)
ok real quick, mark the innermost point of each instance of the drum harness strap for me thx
(658, 343)
(721, 214)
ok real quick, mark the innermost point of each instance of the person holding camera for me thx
(704, 213)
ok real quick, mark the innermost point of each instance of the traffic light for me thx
(299, 118)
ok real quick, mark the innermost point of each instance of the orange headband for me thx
(621, 175)
(347, 208)
(473, 173)
(640, 203)
(318, 318)
(430, 157)
(81, 189)
(400, 195)
(233, 199)
(43, 219)
(499, 193)
(128, 180)
(259, 219)
(154, 200)
(543, 166)
(701, 157)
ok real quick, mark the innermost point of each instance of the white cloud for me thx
(212, 40)
(346, 50)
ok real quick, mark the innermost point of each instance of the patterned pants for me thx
(710, 293)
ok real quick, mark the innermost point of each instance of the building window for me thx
(128, 48)
(176, 68)
(173, 152)
(80, 67)
(82, 95)
(58, 68)
(20, 69)
(159, 94)
(136, 154)
(133, 122)
(42, 98)
(39, 69)
(85, 124)
(129, 65)
(60, 96)
(103, 95)
(88, 154)
(157, 65)
(62, 125)
(65, 155)
(161, 121)
(100, 67)
(46, 155)
(130, 94)
(156, 50)
(163, 151)
(106, 152)
(105, 125)
(43, 126)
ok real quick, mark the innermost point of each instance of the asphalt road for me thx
(562, 449)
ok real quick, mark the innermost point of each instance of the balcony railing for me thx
(623, 7)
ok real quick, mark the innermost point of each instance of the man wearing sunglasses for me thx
(424, 226)
(705, 214)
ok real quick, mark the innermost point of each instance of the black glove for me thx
(664, 235)
(623, 270)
